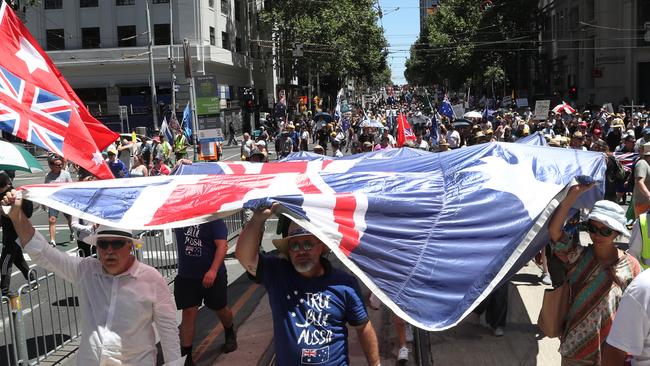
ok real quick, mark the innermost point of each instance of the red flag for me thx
(39, 106)
(404, 131)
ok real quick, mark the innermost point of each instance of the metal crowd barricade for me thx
(9, 354)
(159, 251)
(43, 316)
(159, 248)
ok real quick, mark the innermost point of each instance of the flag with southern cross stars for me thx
(39, 106)
(431, 234)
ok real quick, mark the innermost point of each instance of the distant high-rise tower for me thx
(427, 7)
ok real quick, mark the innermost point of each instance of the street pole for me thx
(172, 65)
(309, 86)
(152, 80)
(187, 57)
(251, 81)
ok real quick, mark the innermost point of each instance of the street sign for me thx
(541, 110)
(207, 95)
(522, 102)
(210, 128)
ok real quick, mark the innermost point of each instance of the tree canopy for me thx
(340, 39)
(473, 41)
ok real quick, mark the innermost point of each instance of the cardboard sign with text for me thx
(541, 109)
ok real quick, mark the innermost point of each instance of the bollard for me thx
(19, 328)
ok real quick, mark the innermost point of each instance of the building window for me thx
(211, 3)
(53, 4)
(126, 36)
(95, 100)
(238, 10)
(238, 47)
(124, 2)
(160, 1)
(213, 40)
(55, 39)
(225, 7)
(90, 37)
(160, 34)
(643, 16)
(88, 3)
(225, 40)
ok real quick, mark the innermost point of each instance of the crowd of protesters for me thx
(601, 275)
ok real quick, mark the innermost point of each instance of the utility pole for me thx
(251, 81)
(152, 79)
(172, 65)
(187, 57)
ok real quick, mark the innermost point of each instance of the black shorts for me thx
(190, 292)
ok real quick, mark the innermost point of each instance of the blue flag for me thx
(446, 110)
(433, 135)
(187, 121)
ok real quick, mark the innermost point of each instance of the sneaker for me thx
(231, 343)
(72, 237)
(403, 354)
(499, 332)
(546, 279)
(52, 243)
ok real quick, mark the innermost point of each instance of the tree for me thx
(465, 38)
(340, 39)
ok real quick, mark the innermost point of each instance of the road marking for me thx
(214, 334)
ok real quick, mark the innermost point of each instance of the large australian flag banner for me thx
(431, 234)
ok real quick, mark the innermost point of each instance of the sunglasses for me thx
(602, 231)
(57, 165)
(115, 244)
(306, 246)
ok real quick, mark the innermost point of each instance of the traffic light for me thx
(573, 92)
(249, 100)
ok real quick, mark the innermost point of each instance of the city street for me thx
(479, 155)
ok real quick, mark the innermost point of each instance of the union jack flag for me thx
(38, 105)
(308, 353)
(33, 114)
(449, 227)
(315, 356)
(626, 159)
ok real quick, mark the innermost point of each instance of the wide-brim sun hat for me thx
(105, 231)
(294, 231)
(611, 215)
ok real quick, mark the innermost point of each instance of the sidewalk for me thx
(469, 344)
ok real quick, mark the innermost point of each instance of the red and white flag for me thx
(404, 131)
(38, 105)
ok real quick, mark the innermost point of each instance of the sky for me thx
(401, 23)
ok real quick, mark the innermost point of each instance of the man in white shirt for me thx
(630, 332)
(453, 138)
(120, 298)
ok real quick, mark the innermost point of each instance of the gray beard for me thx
(306, 267)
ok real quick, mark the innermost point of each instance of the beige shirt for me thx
(641, 169)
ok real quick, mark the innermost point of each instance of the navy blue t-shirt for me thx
(196, 248)
(310, 314)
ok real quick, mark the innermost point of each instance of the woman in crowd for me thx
(139, 169)
(597, 275)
